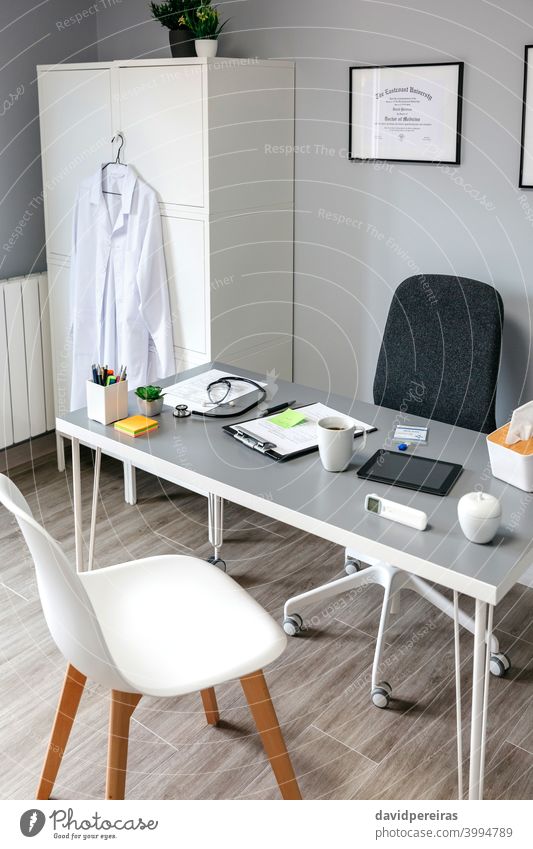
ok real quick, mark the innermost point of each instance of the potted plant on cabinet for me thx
(204, 23)
(172, 15)
(150, 400)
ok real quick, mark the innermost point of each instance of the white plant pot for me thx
(206, 46)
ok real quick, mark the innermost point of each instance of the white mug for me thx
(335, 442)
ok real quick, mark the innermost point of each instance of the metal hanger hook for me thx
(121, 145)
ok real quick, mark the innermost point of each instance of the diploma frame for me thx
(451, 121)
(525, 180)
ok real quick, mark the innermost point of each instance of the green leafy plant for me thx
(173, 13)
(149, 393)
(204, 22)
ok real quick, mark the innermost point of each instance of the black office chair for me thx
(439, 359)
(440, 352)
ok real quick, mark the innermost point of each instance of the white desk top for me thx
(197, 453)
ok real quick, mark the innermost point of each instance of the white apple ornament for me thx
(479, 516)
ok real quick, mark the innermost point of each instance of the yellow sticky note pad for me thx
(288, 418)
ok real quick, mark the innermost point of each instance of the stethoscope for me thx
(182, 411)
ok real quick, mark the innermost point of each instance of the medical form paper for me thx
(301, 438)
(193, 391)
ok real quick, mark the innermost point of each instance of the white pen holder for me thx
(107, 404)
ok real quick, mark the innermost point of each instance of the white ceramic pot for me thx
(479, 516)
(335, 442)
(206, 46)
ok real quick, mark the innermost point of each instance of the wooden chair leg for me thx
(64, 719)
(209, 700)
(120, 711)
(258, 697)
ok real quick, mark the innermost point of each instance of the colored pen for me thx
(278, 408)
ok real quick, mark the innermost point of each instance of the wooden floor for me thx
(342, 747)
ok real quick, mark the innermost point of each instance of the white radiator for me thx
(26, 391)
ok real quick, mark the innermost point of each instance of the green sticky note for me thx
(288, 418)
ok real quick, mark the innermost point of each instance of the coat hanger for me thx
(116, 161)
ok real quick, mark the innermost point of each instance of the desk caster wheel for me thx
(499, 664)
(218, 562)
(293, 624)
(351, 566)
(381, 694)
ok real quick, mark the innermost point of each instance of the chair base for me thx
(393, 581)
(121, 709)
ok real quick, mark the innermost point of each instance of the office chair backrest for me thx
(440, 352)
(66, 607)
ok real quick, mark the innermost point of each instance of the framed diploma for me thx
(526, 147)
(407, 113)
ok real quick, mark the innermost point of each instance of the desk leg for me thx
(96, 487)
(479, 701)
(130, 483)
(60, 451)
(215, 508)
(76, 488)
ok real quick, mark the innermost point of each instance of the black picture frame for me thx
(521, 183)
(458, 116)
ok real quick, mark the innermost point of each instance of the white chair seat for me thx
(176, 624)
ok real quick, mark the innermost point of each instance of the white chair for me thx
(134, 628)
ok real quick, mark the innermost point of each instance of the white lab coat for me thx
(120, 306)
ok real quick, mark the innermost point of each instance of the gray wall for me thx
(30, 34)
(404, 217)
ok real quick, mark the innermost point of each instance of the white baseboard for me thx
(527, 577)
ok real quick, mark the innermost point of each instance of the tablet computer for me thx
(410, 471)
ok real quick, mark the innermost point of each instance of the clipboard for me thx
(281, 444)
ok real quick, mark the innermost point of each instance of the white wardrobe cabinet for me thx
(58, 283)
(185, 253)
(162, 117)
(76, 131)
(251, 256)
(214, 138)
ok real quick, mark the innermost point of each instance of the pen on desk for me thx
(278, 408)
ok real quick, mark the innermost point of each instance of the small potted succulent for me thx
(204, 23)
(150, 400)
(172, 16)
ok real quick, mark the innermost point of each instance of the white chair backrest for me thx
(67, 609)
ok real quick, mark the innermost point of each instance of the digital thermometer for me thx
(396, 512)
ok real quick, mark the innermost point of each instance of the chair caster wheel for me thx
(218, 562)
(351, 566)
(293, 624)
(499, 664)
(381, 694)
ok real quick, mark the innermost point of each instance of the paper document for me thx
(193, 391)
(299, 437)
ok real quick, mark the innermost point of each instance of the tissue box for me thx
(107, 404)
(511, 463)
